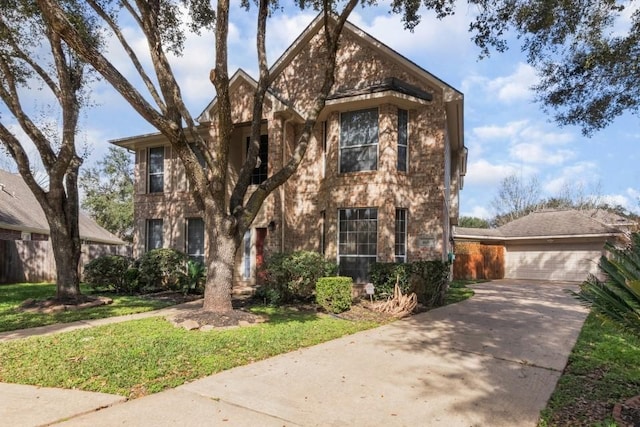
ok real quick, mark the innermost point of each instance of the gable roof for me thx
(317, 24)
(238, 77)
(20, 210)
(547, 224)
(454, 99)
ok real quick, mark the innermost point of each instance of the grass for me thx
(139, 357)
(458, 291)
(603, 369)
(11, 296)
(146, 356)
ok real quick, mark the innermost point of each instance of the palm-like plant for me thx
(617, 298)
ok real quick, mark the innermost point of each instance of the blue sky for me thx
(506, 132)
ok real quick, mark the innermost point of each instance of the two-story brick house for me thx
(380, 180)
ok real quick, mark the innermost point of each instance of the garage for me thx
(561, 245)
(552, 261)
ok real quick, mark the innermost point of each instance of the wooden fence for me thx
(33, 261)
(477, 261)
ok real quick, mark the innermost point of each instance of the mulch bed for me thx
(52, 305)
(627, 414)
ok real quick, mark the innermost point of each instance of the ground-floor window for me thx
(246, 255)
(401, 235)
(357, 242)
(195, 239)
(154, 234)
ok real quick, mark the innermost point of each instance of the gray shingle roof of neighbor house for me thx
(19, 210)
(545, 223)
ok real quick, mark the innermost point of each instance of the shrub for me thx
(193, 281)
(112, 272)
(162, 269)
(334, 293)
(293, 276)
(430, 280)
(269, 295)
(384, 276)
(617, 298)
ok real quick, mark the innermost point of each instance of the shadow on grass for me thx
(12, 318)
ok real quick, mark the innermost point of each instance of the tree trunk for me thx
(220, 260)
(66, 251)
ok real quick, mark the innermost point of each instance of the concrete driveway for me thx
(492, 360)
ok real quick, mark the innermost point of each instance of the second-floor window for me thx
(359, 140)
(259, 174)
(156, 170)
(403, 140)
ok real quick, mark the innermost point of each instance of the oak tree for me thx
(33, 56)
(226, 217)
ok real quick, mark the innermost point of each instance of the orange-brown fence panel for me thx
(476, 261)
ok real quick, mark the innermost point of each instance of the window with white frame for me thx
(357, 242)
(154, 234)
(401, 235)
(156, 169)
(359, 140)
(246, 256)
(403, 140)
(195, 239)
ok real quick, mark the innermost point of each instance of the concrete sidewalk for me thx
(492, 360)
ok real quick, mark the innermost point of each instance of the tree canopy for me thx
(517, 197)
(586, 53)
(33, 56)
(108, 192)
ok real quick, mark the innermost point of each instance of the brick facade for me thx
(7, 234)
(293, 214)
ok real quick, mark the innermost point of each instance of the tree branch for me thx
(127, 48)
(53, 13)
(244, 178)
(332, 37)
(21, 158)
(11, 99)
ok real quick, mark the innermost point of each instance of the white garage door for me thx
(552, 261)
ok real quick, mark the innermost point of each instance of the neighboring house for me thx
(552, 244)
(25, 249)
(380, 180)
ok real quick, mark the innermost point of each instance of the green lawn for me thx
(11, 296)
(458, 291)
(603, 369)
(135, 358)
(139, 357)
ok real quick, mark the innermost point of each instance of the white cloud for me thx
(432, 35)
(540, 154)
(528, 143)
(493, 132)
(282, 30)
(509, 89)
(478, 212)
(515, 87)
(629, 200)
(580, 174)
(481, 172)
